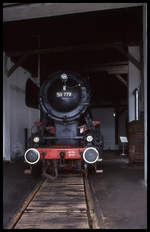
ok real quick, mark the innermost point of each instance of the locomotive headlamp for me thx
(32, 156)
(90, 155)
(36, 139)
(64, 76)
(89, 138)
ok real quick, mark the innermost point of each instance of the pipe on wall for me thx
(136, 93)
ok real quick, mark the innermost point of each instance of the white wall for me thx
(105, 115)
(16, 115)
(134, 81)
(122, 130)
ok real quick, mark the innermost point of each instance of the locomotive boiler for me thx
(66, 137)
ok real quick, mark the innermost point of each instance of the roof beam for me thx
(129, 56)
(73, 48)
(42, 10)
(122, 80)
(110, 69)
(15, 66)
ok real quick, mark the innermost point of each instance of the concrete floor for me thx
(119, 193)
(16, 188)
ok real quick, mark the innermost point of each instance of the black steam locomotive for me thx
(66, 137)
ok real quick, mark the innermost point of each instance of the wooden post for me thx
(116, 130)
(145, 88)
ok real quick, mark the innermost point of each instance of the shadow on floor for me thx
(16, 188)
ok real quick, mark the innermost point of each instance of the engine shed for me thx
(107, 43)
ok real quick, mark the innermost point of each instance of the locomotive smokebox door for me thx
(64, 96)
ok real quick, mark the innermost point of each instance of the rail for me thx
(65, 203)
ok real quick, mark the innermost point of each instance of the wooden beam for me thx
(116, 130)
(82, 47)
(74, 48)
(122, 111)
(122, 80)
(113, 68)
(108, 105)
(129, 56)
(13, 4)
(145, 56)
(15, 66)
(42, 10)
(118, 69)
(110, 68)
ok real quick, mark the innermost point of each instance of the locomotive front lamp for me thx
(114, 114)
(89, 138)
(36, 139)
(64, 76)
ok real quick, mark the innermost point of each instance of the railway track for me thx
(65, 203)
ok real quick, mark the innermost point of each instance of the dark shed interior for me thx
(92, 43)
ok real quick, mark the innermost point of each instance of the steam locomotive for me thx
(66, 138)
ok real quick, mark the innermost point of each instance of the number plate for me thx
(63, 94)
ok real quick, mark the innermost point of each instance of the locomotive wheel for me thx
(37, 170)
